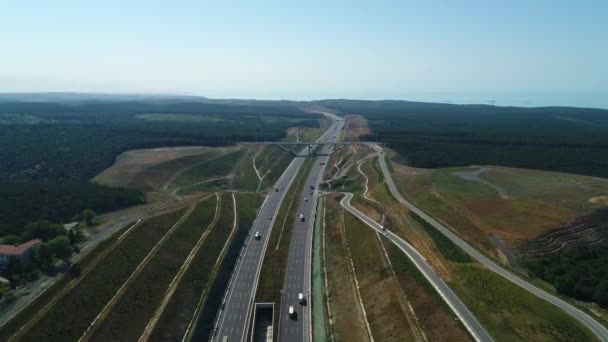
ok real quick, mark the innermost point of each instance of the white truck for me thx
(292, 311)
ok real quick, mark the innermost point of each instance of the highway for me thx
(467, 318)
(297, 275)
(234, 316)
(597, 328)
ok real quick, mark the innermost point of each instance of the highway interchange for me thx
(234, 317)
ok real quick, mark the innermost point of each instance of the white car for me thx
(292, 311)
(257, 235)
(305, 199)
(301, 298)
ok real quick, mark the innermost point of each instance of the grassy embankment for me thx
(320, 315)
(271, 164)
(346, 318)
(387, 311)
(428, 307)
(245, 177)
(129, 316)
(72, 314)
(191, 292)
(247, 204)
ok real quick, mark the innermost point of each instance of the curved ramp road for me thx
(597, 328)
(467, 318)
(234, 316)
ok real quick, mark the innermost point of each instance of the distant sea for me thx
(587, 100)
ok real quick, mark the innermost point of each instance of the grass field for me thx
(219, 167)
(271, 164)
(129, 317)
(92, 293)
(449, 251)
(245, 177)
(511, 313)
(201, 118)
(22, 119)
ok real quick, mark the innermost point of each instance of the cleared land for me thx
(500, 209)
(94, 291)
(129, 165)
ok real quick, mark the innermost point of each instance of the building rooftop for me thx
(18, 250)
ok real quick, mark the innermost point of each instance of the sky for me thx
(305, 49)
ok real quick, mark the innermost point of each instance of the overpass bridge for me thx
(284, 145)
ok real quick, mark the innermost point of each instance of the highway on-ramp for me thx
(467, 318)
(597, 328)
(234, 315)
(297, 273)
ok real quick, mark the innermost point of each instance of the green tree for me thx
(88, 215)
(44, 254)
(61, 247)
(42, 229)
(11, 240)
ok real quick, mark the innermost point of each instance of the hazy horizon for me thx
(514, 53)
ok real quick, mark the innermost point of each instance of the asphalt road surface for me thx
(597, 328)
(297, 274)
(234, 316)
(467, 318)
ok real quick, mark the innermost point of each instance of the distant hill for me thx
(91, 97)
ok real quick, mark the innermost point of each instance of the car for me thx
(292, 311)
(257, 235)
(276, 190)
(302, 217)
(301, 298)
(305, 199)
(321, 163)
(312, 192)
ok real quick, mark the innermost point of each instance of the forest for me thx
(432, 135)
(580, 272)
(50, 150)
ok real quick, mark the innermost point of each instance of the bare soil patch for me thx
(356, 127)
(130, 163)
